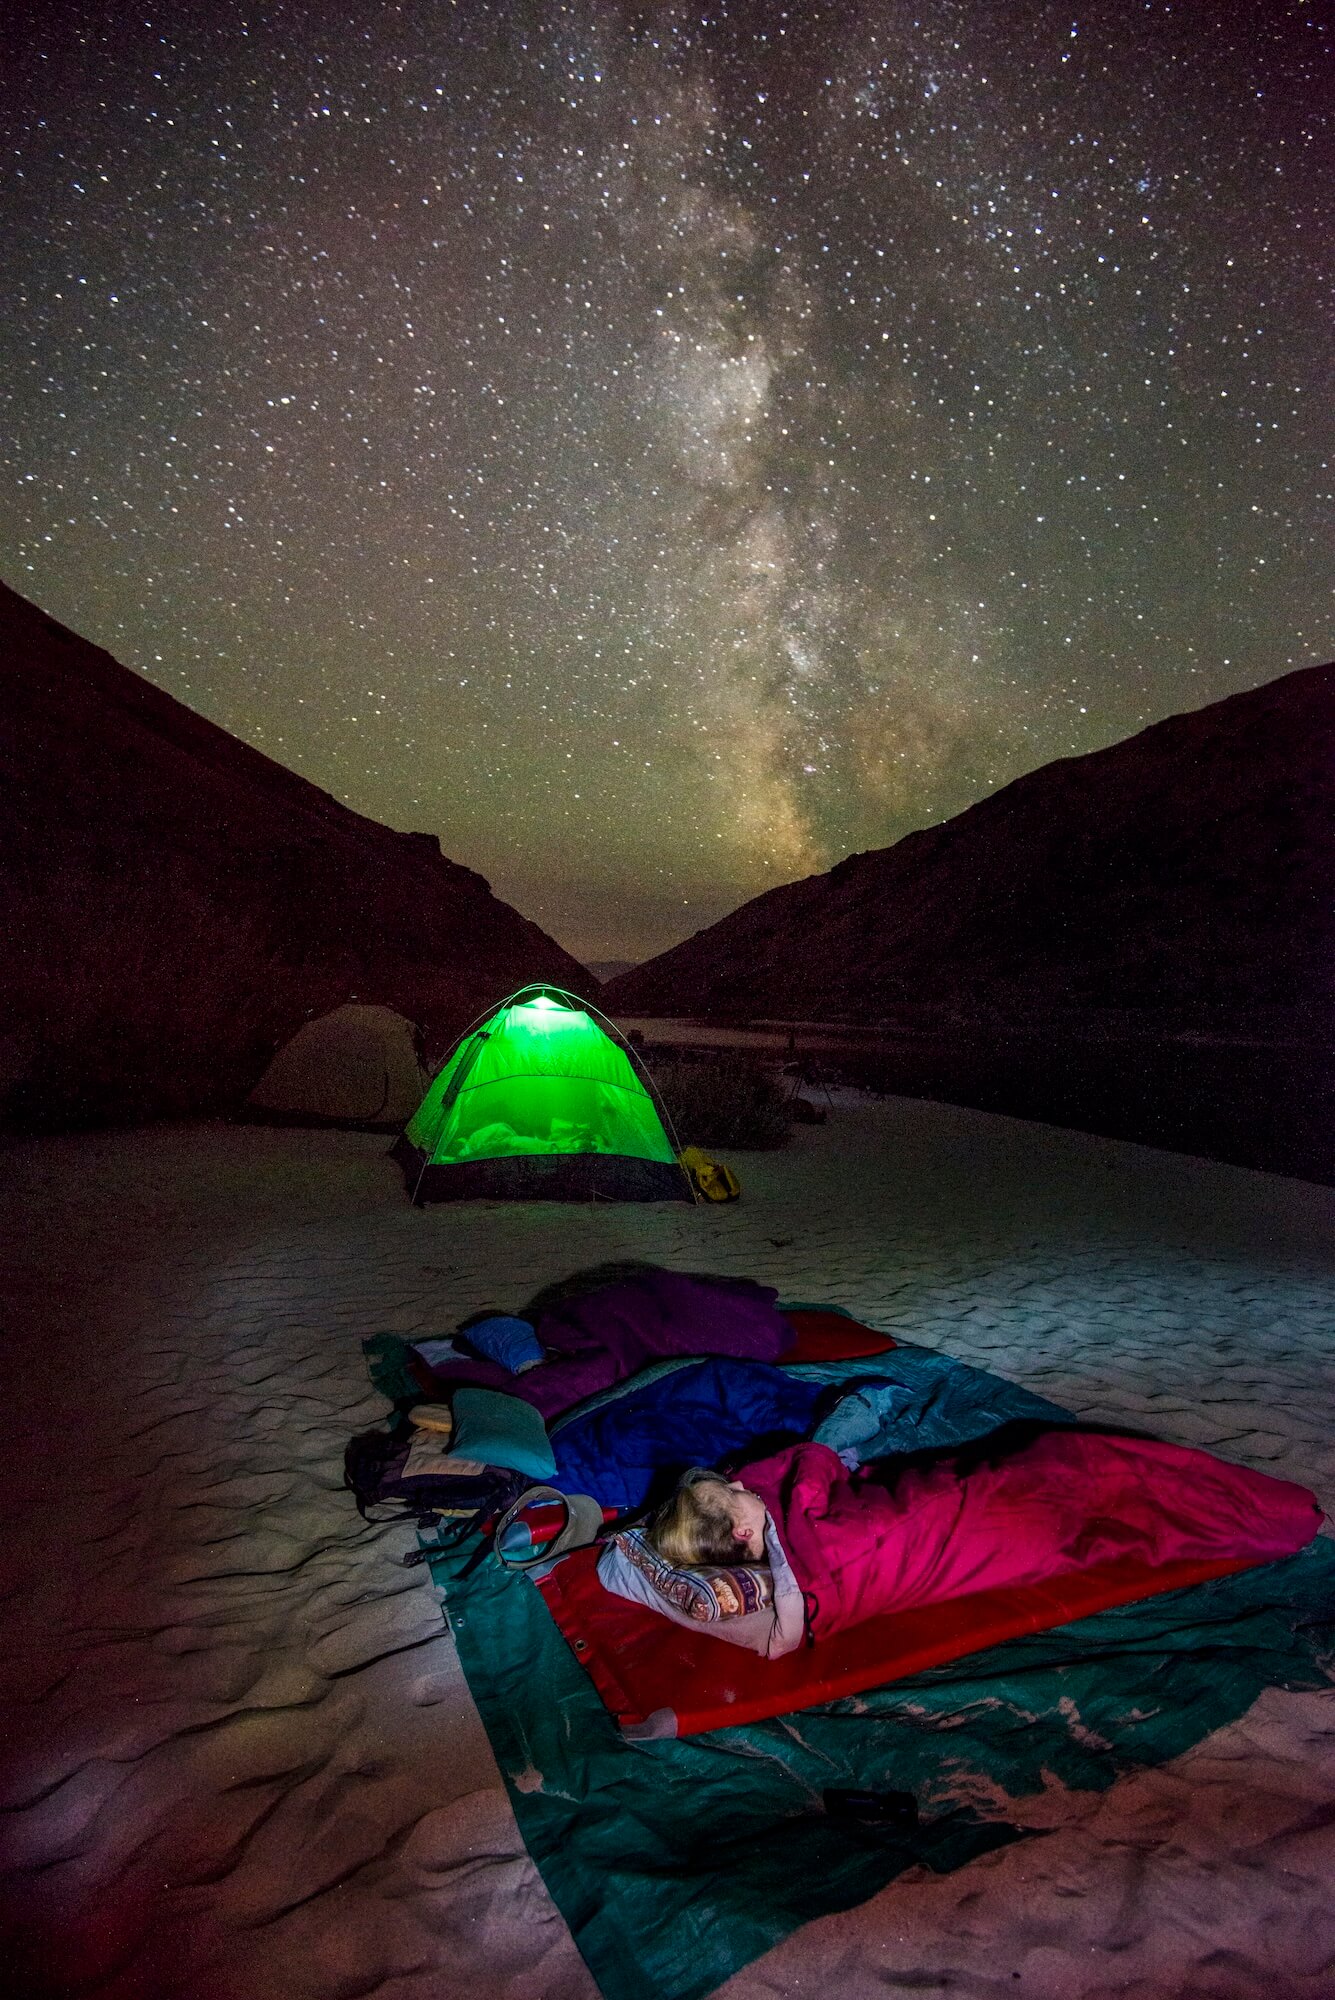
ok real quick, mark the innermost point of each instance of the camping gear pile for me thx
(689, 1803)
(506, 1395)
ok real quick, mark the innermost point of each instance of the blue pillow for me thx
(510, 1342)
(500, 1430)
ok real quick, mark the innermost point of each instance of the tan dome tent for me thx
(357, 1066)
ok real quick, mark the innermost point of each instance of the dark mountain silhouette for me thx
(175, 904)
(1141, 940)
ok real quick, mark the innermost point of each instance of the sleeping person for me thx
(823, 1547)
(711, 1557)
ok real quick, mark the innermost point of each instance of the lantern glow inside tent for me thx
(539, 1103)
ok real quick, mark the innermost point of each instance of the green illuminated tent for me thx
(539, 1103)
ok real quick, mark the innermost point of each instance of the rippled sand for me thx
(239, 1758)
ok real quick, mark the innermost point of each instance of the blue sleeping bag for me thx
(628, 1443)
(625, 1445)
(914, 1399)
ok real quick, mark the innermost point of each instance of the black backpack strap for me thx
(506, 1494)
(459, 1531)
(364, 1461)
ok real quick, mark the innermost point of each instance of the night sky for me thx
(662, 449)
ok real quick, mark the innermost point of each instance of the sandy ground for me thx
(239, 1757)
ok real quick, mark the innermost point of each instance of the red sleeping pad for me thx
(831, 1336)
(658, 1679)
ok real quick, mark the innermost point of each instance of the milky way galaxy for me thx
(662, 449)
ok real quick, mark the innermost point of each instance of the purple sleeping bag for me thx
(598, 1339)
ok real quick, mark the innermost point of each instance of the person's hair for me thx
(693, 1526)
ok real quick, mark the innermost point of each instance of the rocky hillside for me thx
(1175, 890)
(175, 904)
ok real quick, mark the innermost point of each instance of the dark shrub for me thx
(728, 1102)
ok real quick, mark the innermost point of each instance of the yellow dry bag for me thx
(711, 1180)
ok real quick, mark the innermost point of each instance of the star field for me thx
(662, 449)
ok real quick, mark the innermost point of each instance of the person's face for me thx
(747, 1512)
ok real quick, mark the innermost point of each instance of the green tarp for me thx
(676, 1863)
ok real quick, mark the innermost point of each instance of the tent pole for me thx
(455, 1045)
(448, 1097)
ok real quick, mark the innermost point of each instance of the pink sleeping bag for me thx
(1065, 1500)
